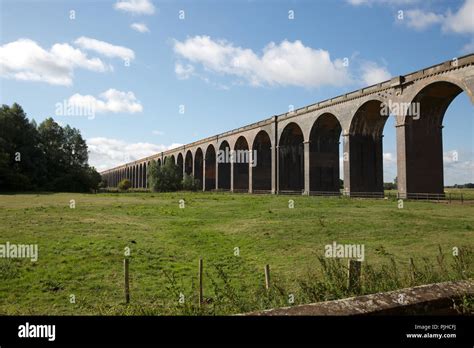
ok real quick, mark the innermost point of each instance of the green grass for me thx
(81, 250)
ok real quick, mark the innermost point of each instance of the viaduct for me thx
(298, 151)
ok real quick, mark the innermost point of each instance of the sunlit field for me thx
(81, 249)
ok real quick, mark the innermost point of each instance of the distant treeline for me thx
(468, 185)
(47, 157)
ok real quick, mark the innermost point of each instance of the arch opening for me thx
(262, 166)
(324, 143)
(223, 167)
(180, 164)
(198, 168)
(366, 149)
(423, 136)
(210, 172)
(241, 165)
(188, 163)
(291, 159)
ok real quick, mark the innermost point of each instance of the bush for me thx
(190, 183)
(124, 185)
(164, 178)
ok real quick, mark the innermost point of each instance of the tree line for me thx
(47, 157)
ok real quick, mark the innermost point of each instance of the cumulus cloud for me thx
(138, 7)
(380, 2)
(458, 166)
(112, 100)
(105, 48)
(183, 72)
(461, 21)
(372, 73)
(25, 60)
(140, 27)
(287, 63)
(106, 153)
(419, 19)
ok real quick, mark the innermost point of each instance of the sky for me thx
(141, 76)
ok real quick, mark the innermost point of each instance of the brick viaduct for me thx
(299, 151)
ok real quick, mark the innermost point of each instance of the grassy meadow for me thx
(81, 249)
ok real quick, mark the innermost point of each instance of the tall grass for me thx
(326, 281)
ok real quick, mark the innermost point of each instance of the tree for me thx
(46, 157)
(164, 178)
(22, 162)
(189, 183)
(124, 184)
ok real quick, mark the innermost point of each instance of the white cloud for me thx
(183, 72)
(458, 167)
(25, 60)
(139, 7)
(419, 19)
(461, 21)
(389, 166)
(158, 132)
(381, 2)
(287, 63)
(111, 100)
(140, 27)
(105, 48)
(106, 153)
(372, 73)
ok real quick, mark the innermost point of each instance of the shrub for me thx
(190, 183)
(124, 185)
(164, 178)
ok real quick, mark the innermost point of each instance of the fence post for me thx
(353, 281)
(200, 282)
(462, 199)
(126, 280)
(267, 277)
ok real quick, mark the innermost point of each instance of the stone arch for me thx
(158, 162)
(210, 170)
(291, 159)
(324, 140)
(224, 166)
(180, 164)
(365, 155)
(199, 167)
(241, 164)
(420, 138)
(188, 163)
(262, 162)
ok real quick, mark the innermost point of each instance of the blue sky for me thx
(219, 63)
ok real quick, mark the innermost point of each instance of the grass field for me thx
(81, 250)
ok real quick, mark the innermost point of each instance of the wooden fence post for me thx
(353, 275)
(267, 277)
(200, 282)
(126, 280)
